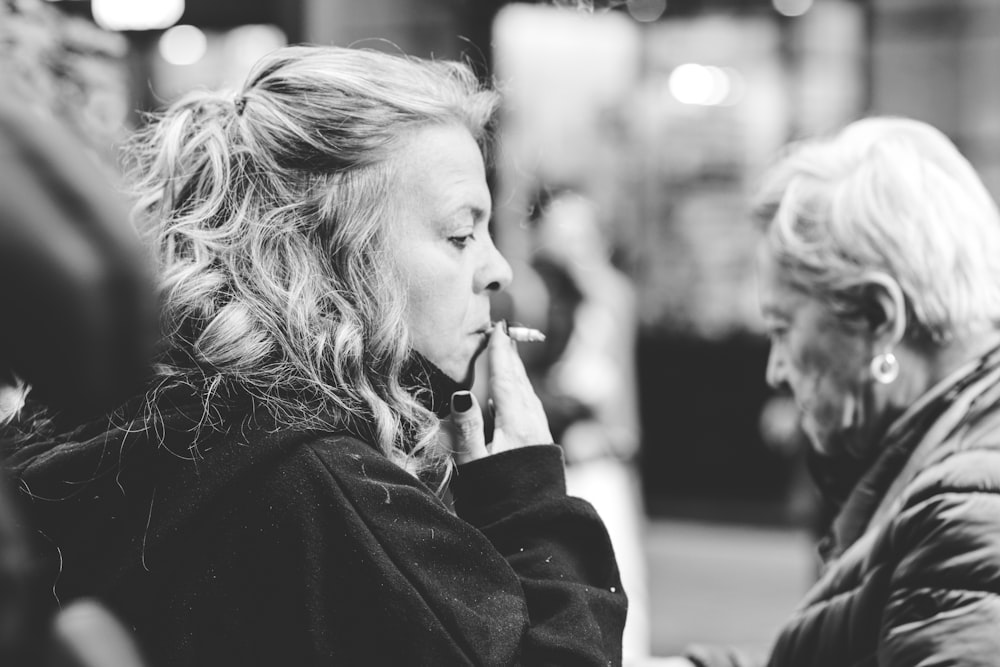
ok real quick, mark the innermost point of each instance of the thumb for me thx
(467, 418)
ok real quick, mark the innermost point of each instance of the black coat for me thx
(278, 547)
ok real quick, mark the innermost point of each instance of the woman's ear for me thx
(885, 309)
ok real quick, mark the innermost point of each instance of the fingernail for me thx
(506, 328)
(461, 401)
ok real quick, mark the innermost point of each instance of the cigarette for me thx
(522, 334)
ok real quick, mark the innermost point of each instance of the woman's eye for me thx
(462, 241)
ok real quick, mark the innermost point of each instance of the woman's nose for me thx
(495, 274)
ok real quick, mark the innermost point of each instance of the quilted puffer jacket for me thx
(913, 576)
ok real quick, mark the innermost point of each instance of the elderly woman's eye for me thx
(776, 333)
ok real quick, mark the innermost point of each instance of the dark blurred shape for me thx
(19, 615)
(75, 305)
(75, 302)
(67, 67)
(77, 315)
(83, 634)
(78, 326)
(705, 459)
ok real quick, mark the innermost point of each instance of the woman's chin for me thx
(822, 443)
(459, 368)
(820, 447)
(460, 374)
(836, 444)
(468, 376)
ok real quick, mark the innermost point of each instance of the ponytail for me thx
(182, 158)
(191, 183)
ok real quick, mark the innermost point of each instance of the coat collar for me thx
(908, 445)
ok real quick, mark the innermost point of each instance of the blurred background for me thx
(657, 115)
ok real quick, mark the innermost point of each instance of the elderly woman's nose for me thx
(495, 274)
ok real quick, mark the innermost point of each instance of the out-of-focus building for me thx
(938, 61)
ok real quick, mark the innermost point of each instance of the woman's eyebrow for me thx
(477, 212)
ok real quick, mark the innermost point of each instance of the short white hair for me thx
(889, 195)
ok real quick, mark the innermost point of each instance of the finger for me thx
(507, 373)
(500, 349)
(520, 418)
(467, 418)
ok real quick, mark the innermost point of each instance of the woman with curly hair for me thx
(306, 479)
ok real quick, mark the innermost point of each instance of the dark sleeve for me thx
(558, 548)
(528, 577)
(944, 597)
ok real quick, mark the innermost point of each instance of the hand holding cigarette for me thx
(519, 418)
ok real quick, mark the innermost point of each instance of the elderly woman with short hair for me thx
(880, 284)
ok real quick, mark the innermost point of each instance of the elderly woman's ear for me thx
(884, 310)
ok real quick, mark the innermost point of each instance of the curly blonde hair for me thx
(267, 213)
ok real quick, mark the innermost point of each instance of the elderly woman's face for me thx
(821, 360)
(441, 247)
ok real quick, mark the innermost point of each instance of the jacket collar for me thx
(908, 444)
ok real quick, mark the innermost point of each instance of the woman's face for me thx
(821, 360)
(441, 247)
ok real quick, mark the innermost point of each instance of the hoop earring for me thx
(885, 368)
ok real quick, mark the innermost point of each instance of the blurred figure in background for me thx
(77, 332)
(70, 249)
(75, 302)
(880, 284)
(64, 66)
(585, 375)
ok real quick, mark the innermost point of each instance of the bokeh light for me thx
(690, 83)
(737, 86)
(246, 44)
(792, 7)
(706, 85)
(646, 11)
(183, 45)
(136, 14)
